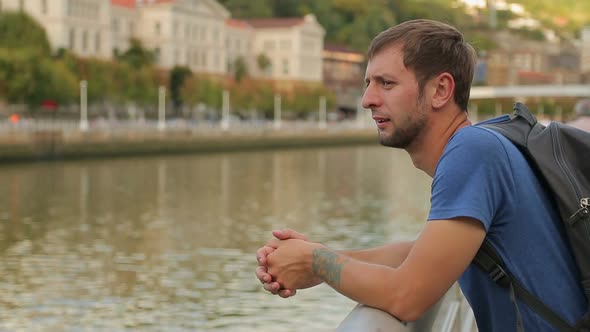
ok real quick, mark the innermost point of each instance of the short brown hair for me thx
(431, 48)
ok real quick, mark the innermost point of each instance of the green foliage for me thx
(305, 99)
(564, 16)
(178, 75)
(239, 69)
(248, 9)
(263, 62)
(26, 77)
(199, 89)
(137, 56)
(19, 30)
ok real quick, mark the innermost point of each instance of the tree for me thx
(27, 77)
(249, 8)
(263, 62)
(178, 76)
(19, 30)
(136, 55)
(239, 69)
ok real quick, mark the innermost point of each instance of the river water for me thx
(168, 243)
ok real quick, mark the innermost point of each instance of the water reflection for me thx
(158, 244)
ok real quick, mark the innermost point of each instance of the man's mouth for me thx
(380, 120)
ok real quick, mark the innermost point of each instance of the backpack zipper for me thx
(584, 201)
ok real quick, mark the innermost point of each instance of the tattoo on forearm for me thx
(327, 265)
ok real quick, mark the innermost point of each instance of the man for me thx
(418, 80)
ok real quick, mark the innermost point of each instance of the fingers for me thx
(275, 288)
(287, 233)
(274, 243)
(262, 253)
(262, 275)
(272, 287)
(285, 293)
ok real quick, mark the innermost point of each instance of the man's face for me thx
(393, 95)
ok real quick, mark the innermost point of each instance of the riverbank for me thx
(64, 145)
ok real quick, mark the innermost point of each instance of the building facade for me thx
(344, 70)
(82, 26)
(198, 34)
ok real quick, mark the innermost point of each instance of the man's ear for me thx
(444, 90)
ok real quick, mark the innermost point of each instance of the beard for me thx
(409, 128)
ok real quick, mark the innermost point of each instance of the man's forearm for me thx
(391, 255)
(375, 285)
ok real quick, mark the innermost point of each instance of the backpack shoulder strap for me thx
(521, 110)
(490, 262)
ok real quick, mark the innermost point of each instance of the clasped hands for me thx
(285, 263)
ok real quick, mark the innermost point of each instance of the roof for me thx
(237, 23)
(276, 22)
(134, 3)
(339, 48)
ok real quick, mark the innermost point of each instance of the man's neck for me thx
(429, 148)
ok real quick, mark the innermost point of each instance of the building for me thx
(344, 71)
(585, 58)
(238, 44)
(82, 26)
(187, 33)
(524, 62)
(198, 34)
(292, 46)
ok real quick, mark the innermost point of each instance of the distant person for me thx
(417, 81)
(582, 110)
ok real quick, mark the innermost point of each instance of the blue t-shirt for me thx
(483, 176)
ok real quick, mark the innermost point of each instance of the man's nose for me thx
(370, 98)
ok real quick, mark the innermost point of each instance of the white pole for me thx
(225, 111)
(322, 112)
(83, 105)
(161, 108)
(277, 118)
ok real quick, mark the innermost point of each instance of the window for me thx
(269, 45)
(84, 40)
(285, 45)
(157, 54)
(21, 5)
(115, 25)
(44, 6)
(72, 38)
(0, 5)
(175, 28)
(286, 66)
(131, 28)
(157, 28)
(97, 42)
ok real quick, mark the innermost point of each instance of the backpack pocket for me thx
(579, 229)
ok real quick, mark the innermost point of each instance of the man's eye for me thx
(388, 84)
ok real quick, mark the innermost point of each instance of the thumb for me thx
(284, 234)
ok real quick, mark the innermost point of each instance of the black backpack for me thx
(560, 155)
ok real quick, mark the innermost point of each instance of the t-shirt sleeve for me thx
(471, 177)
